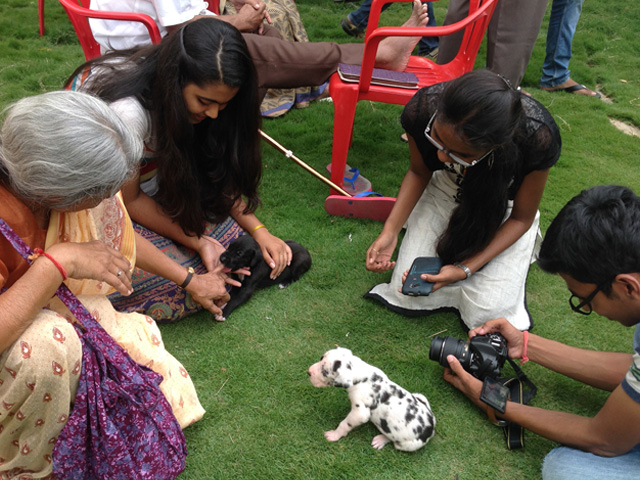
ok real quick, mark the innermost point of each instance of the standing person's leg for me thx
(427, 45)
(360, 18)
(356, 22)
(511, 36)
(562, 26)
(450, 44)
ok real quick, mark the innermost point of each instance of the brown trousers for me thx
(283, 64)
(512, 33)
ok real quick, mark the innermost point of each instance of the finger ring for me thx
(375, 250)
(119, 273)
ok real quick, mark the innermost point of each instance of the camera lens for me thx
(442, 347)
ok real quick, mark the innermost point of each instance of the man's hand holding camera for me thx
(464, 381)
(468, 378)
(513, 336)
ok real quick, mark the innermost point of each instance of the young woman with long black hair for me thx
(480, 157)
(194, 100)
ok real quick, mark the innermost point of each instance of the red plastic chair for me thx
(79, 13)
(214, 6)
(346, 95)
(41, 16)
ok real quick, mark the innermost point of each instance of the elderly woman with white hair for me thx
(63, 158)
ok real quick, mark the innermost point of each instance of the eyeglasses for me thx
(452, 156)
(583, 305)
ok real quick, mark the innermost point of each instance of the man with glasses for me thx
(594, 245)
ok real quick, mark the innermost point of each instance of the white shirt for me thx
(120, 35)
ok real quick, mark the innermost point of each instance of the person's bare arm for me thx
(249, 18)
(379, 254)
(144, 210)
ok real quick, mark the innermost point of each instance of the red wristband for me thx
(525, 359)
(39, 252)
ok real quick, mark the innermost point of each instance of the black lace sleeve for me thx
(539, 144)
(414, 119)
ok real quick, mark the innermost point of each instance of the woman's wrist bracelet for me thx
(190, 273)
(464, 268)
(256, 228)
(525, 359)
(38, 252)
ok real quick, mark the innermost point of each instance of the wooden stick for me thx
(315, 173)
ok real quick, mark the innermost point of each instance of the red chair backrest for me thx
(79, 13)
(474, 27)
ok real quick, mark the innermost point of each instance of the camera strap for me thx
(521, 390)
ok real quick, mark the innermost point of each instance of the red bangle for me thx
(525, 359)
(39, 252)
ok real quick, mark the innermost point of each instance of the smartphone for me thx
(416, 286)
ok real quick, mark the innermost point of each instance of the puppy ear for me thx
(341, 373)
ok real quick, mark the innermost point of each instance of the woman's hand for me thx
(210, 250)
(209, 289)
(513, 336)
(276, 252)
(95, 261)
(379, 253)
(448, 274)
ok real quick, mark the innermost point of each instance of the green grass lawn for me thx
(264, 419)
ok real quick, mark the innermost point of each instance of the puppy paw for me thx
(379, 441)
(332, 435)
(219, 317)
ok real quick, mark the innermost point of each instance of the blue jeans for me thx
(562, 26)
(360, 18)
(564, 463)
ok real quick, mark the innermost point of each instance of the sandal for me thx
(353, 182)
(572, 89)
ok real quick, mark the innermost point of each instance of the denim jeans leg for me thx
(428, 44)
(562, 26)
(564, 463)
(360, 17)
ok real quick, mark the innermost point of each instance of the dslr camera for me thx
(483, 356)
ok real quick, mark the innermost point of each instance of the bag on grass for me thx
(121, 425)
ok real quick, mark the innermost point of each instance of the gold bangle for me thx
(190, 273)
(256, 228)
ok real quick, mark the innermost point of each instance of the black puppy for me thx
(245, 252)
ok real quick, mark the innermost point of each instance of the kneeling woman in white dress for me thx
(480, 157)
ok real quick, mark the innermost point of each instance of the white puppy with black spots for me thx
(402, 417)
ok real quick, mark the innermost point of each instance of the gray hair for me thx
(61, 148)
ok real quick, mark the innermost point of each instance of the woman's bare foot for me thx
(394, 52)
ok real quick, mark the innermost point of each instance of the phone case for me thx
(416, 286)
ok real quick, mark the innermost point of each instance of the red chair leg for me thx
(344, 114)
(41, 16)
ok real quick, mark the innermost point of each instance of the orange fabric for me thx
(109, 223)
(21, 220)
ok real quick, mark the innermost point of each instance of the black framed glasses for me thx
(452, 156)
(583, 305)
